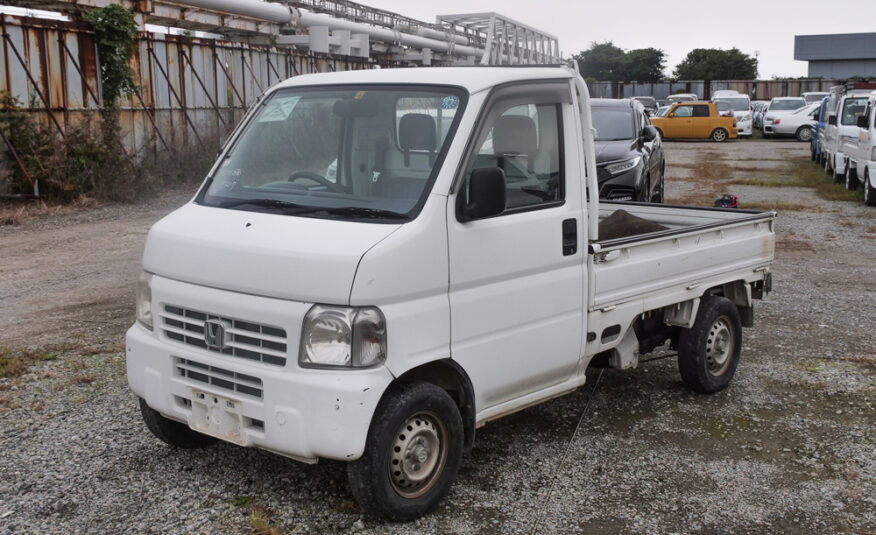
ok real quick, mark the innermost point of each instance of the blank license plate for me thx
(217, 416)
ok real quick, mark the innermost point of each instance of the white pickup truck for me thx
(861, 151)
(452, 271)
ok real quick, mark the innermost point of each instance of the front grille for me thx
(245, 339)
(218, 377)
(618, 193)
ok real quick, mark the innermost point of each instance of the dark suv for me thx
(629, 152)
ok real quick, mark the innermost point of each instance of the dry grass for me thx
(260, 521)
(19, 211)
(778, 206)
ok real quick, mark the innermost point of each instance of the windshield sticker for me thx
(278, 109)
(359, 95)
(450, 102)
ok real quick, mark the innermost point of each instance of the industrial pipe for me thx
(254, 9)
(386, 35)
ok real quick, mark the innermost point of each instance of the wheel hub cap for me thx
(418, 455)
(719, 346)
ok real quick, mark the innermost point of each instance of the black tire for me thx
(825, 161)
(660, 196)
(708, 352)
(869, 191)
(172, 432)
(851, 178)
(838, 178)
(804, 133)
(407, 421)
(719, 135)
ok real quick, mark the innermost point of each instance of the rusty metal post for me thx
(34, 83)
(18, 161)
(81, 74)
(173, 91)
(204, 87)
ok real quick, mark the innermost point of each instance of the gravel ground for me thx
(788, 448)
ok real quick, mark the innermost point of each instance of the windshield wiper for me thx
(265, 203)
(357, 211)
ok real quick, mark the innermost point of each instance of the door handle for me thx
(570, 237)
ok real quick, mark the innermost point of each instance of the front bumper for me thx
(301, 413)
(744, 128)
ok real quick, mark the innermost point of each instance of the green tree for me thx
(602, 61)
(645, 65)
(607, 62)
(716, 64)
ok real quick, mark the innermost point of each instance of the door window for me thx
(683, 111)
(523, 139)
(700, 111)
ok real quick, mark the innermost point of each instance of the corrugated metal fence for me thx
(758, 89)
(190, 91)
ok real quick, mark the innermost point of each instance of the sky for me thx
(766, 26)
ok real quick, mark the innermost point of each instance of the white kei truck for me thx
(454, 270)
(861, 151)
(842, 132)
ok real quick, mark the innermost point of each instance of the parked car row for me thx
(843, 139)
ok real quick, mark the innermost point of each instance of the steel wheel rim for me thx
(418, 455)
(805, 135)
(720, 346)
(719, 135)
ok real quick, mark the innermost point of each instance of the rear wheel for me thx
(851, 177)
(412, 453)
(719, 135)
(804, 133)
(708, 352)
(172, 432)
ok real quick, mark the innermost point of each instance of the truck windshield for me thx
(737, 103)
(613, 124)
(852, 108)
(340, 152)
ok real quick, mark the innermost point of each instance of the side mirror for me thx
(863, 121)
(831, 119)
(670, 115)
(649, 133)
(486, 194)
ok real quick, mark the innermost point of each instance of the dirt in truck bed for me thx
(787, 448)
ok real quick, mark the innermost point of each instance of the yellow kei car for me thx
(695, 120)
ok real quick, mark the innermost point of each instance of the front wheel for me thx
(172, 432)
(708, 352)
(412, 453)
(851, 178)
(869, 191)
(719, 135)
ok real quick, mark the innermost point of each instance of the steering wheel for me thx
(337, 188)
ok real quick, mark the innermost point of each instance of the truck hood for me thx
(287, 257)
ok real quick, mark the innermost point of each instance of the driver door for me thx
(516, 285)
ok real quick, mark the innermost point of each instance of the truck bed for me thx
(699, 249)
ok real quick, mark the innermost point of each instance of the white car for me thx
(741, 106)
(380, 320)
(797, 123)
(779, 106)
(681, 97)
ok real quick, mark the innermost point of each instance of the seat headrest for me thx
(416, 131)
(515, 134)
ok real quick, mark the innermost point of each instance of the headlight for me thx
(144, 300)
(343, 336)
(620, 167)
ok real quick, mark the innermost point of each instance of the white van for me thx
(445, 278)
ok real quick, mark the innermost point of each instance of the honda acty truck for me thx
(380, 262)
